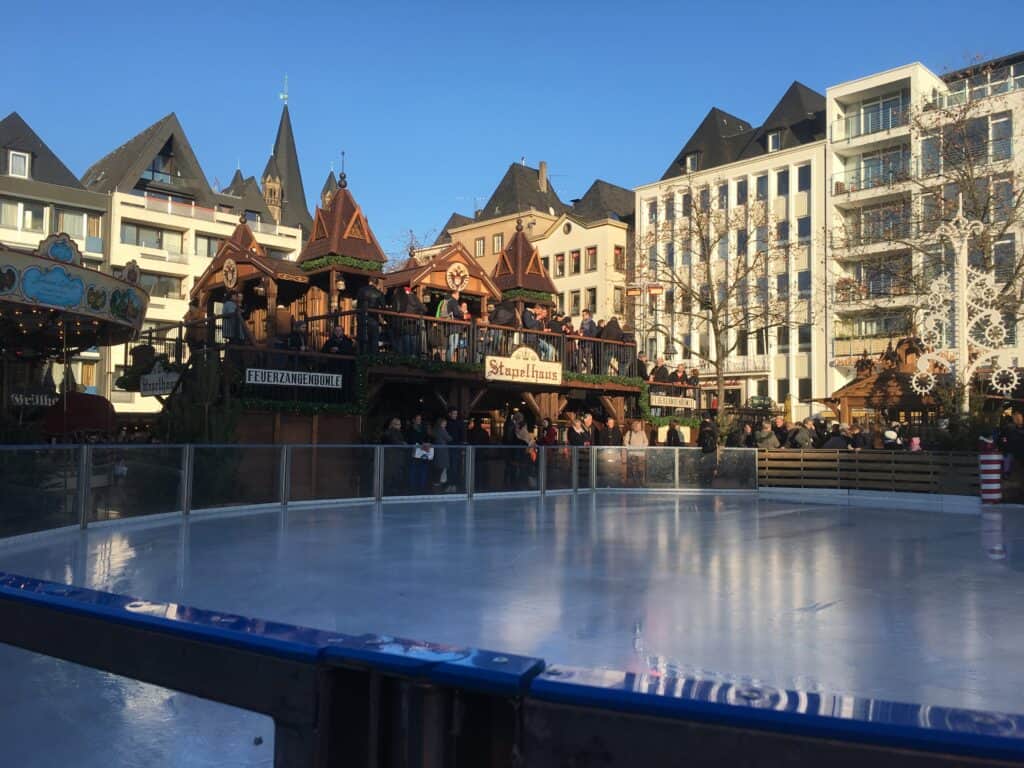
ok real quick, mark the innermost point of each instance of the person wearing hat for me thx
(891, 441)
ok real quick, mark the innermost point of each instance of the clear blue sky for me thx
(432, 101)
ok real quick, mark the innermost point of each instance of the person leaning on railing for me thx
(765, 438)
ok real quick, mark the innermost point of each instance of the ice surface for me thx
(907, 606)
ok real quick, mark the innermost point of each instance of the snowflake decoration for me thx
(1004, 380)
(922, 382)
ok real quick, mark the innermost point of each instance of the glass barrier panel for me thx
(560, 463)
(696, 468)
(39, 488)
(134, 480)
(505, 468)
(412, 471)
(331, 472)
(651, 468)
(737, 469)
(611, 466)
(235, 475)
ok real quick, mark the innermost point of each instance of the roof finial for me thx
(342, 179)
(283, 95)
(242, 219)
(519, 225)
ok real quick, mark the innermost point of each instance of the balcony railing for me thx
(192, 211)
(737, 364)
(857, 345)
(892, 232)
(887, 174)
(852, 292)
(865, 122)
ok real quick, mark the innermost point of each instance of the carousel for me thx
(53, 308)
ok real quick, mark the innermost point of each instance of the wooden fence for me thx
(939, 472)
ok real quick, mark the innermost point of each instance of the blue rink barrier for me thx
(375, 700)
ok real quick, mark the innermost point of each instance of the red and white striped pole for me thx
(990, 472)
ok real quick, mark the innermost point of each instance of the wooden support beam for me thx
(614, 406)
(531, 403)
(562, 402)
(474, 399)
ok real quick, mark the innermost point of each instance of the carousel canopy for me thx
(49, 302)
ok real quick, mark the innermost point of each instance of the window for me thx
(652, 258)
(592, 299)
(803, 387)
(619, 257)
(741, 191)
(762, 387)
(741, 242)
(761, 338)
(32, 217)
(1002, 199)
(783, 389)
(652, 212)
(775, 141)
(783, 337)
(71, 222)
(761, 185)
(498, 242)
(670, 255)
(574, 302)
(761, 239)
(803, 283)
(741, 343)
(546, 261)
(670, 208)
(803, 178)
(157, 286)
(782, 286)
(618, 300)
(9, 214)
(685, 257)
(687, 205)
(762, 289)
(782, 183)
(561, 302)
(17, 164)
(723, 197)
(705, 199)
(559, 265)
(87, 377)
(478, 247)
(804, 338)
(1002, 141)
(591, 262)
(574, 262)
(931, 159)
(803, 229)
(693, 162)
(782, 232)
(723, 247)
(1003, 259)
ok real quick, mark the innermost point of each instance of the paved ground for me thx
(910, 606)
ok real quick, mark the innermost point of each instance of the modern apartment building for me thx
(163, 215)
(583, 246)
(901, 144)
(39, 196)
(756, 195)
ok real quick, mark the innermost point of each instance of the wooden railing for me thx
(894, 471)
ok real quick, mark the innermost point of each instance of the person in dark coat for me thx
(673, 438)
(641, 366)
(416, 431)
(370, 298)
(612, 331)
(707, 441)
(393, 434)
(781, 431)
(338, 343)
(475, 432)
(611, 434)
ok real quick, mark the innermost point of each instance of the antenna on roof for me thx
(283, 95)
(342, 178)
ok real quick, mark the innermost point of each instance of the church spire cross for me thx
(283, 95)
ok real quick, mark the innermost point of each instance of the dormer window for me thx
(775, 141)
(17, 164)
(692, 162)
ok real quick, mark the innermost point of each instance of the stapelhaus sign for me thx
(276, 378)
(522, 367)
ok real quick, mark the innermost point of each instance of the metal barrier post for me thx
(593, 468)
(575, 453)
(285, 480)
(187, 463)
(470, 470)
(378, 472)
(542, 470)
(83, 484)
(675, 467)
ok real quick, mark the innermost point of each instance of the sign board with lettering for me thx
(523, 366)
(276, 378)
(37, 399)
(158, 381)
(671, 401)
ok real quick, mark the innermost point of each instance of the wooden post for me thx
(271, 310)
(332, 291)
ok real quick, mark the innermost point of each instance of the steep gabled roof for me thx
(415, 270)
(294, 212)
(799, 117)
(455, 220)
(270, 170)
(518, 191)
(718, 139)
(330, 185)
(44, 165)
(121, 169)
(519, 266)
(243, 193)
(341, 229)
(605, 201)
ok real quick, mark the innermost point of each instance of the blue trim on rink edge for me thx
(816, 714)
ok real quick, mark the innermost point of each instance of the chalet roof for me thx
(722, 138)
(121, 169)
(519, 266)
(343, 230)
(518, 191)
(455, 220)
(415, 270)
(605, 201)
(44, 166)
(294, 212)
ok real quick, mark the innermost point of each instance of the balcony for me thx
(849, 291)
(886, 174)
(893, 233)
(852, 348)
(868, 122)
(737, 364)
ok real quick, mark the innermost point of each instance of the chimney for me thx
(542, 174)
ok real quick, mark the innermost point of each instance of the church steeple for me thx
(328, 190)
(285, 179)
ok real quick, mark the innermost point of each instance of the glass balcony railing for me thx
(885, 173)
(867, 121)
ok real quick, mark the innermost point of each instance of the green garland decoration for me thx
(527, 295)
(336, 259)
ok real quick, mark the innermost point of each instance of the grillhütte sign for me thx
(276, 378)
(523, 366)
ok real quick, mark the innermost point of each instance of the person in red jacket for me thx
(548, 435)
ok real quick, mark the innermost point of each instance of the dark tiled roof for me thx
(455, 220)
(243, 193)
(519, 266)
(519, 190)
(1002, 61)
(605, 201)
(44, 165)
(121, 169)
(722, 138)
(294, 212)
(342, 229)
(270, 170)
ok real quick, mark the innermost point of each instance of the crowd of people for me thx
(815, 433)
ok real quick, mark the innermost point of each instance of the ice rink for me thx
(899, 605)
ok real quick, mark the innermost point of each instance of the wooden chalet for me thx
(453, 269)
(519, 272)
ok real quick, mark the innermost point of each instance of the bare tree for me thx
(717, 267)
